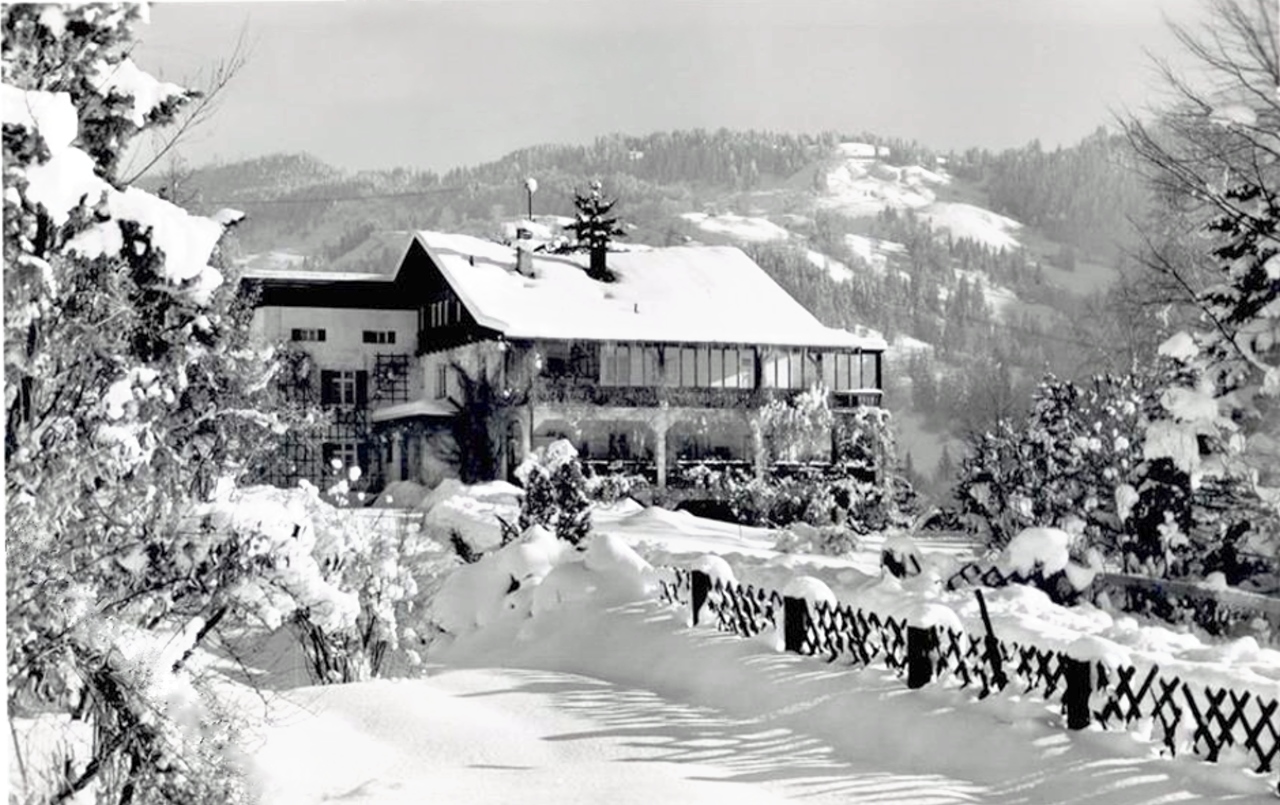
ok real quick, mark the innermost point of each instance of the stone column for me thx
(758, 457)
(660, 424)
(397, 450)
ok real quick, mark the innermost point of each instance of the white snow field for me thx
(580, 686)
(861, 185)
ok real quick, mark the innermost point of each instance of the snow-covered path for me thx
(627, 704)
(502, 736)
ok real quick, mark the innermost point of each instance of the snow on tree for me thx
(1063, 463)
(130, 390)
(1214, 157)
(555, 493)
(594, 229)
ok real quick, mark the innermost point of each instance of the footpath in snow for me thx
(628, 704)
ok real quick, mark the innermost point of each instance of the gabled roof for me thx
(702, 294)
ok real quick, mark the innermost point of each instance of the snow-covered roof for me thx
(411, 409)
(705, 294)
(299, 275)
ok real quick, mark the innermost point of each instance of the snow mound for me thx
(901, 556)
(400, 495)
(928, 615)
(539, 573)
(1092, 648)
(656, 516)
(1043, 547)
(715, 567)
(471, 511)
(811, 589)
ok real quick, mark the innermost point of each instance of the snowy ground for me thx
(627, 704)
(579, 686)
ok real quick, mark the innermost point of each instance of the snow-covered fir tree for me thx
(594, 229)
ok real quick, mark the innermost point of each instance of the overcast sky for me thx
(383, 83)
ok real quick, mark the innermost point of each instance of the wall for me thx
(471, 357)
(343, 347)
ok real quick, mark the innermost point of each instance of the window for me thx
(688, 364)
(346, 387)
(846, 371)
(747, 359)
(442, 381)
(870, 370)
(556, 359)
(652, 366)
(345, 453)
(305, 334)
(615, 365)
(379, 336)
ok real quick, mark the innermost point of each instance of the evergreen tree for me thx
(556, 493)
(594, 230)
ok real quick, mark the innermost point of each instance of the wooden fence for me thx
(1221, 612)
(1184, 716)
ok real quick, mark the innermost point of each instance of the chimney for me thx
(524, 251)
(599, 266)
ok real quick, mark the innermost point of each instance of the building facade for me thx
(672, 361)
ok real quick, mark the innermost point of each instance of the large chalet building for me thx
(670, 361)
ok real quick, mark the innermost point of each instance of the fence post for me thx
(795, 619)
(700, 588)
(921, 640)
(1079, 678)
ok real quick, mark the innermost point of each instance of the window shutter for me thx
(362, 388)
(328, 388)
(362, 459)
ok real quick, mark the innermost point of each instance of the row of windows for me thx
(445, 313)
(720, 367)
(319, 334)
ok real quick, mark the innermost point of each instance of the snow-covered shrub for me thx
(828, 540)
(797, 429)
(1042, 557)
(615, 486)
(130, 388)
(385, 565)
(1069, 459)
(555, 492)
(900, 556)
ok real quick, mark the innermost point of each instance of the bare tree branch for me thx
(198, 113)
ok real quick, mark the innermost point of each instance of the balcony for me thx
(570, 390)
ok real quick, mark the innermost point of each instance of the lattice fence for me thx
(1185, 718)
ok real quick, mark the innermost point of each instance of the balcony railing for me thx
(586, 391)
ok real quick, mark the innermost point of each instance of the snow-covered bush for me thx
(130, 388)
(828, 540)
(382, 566)
(615, 486)
(1068, 460)
(798, 429)
(555, 492)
